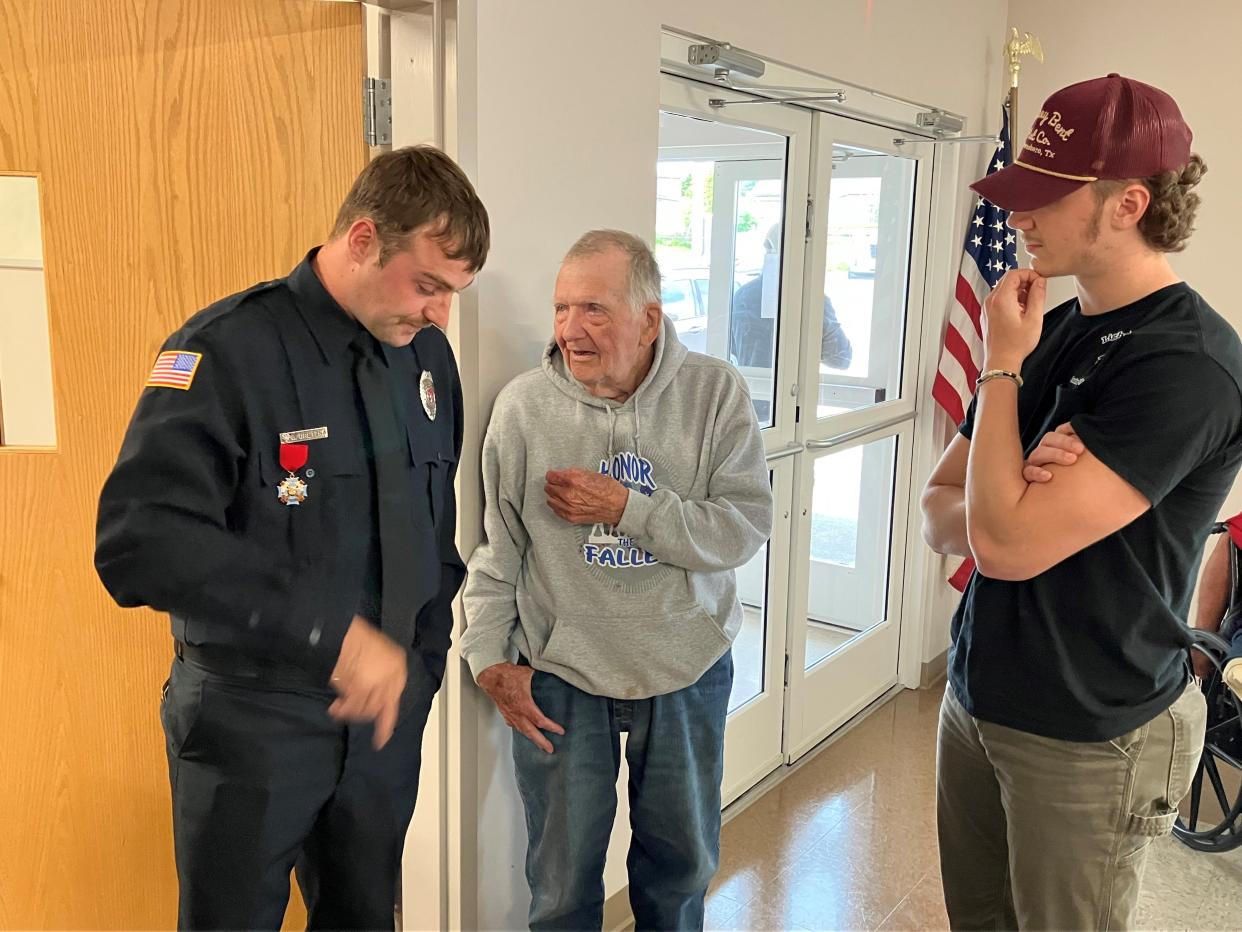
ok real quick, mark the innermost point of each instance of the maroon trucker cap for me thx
(1104, 129)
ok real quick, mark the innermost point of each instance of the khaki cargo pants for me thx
(1038, 833)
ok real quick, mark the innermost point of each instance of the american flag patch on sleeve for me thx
(174, 369)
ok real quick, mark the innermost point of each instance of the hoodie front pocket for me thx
(632, 657)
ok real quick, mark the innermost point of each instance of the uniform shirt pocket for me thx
(432, 460)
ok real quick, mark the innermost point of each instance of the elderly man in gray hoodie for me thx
(625, 482)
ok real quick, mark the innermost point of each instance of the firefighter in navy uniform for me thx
(285, 493)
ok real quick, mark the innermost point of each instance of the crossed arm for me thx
(983, 500)
(1015, 518)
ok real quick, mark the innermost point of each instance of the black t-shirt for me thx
(1096, 646)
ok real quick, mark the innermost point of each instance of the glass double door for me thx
(790, 244)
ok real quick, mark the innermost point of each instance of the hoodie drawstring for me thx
(638, 447)
(612, 432)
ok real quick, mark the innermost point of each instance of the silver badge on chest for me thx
(427, 392)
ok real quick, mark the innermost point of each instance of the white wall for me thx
(558, 127)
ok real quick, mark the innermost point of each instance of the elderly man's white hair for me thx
(644, 278)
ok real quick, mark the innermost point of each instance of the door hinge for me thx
(810, 216)
(787, 670)
(377, 111)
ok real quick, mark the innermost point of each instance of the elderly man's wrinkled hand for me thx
(580, 496)
(508, 685)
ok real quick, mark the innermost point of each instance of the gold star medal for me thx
(292, 489)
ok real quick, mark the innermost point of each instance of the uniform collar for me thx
(328, 322)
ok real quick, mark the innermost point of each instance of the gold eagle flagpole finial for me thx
(1017, 46)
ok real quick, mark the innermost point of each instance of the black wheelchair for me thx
(1212, 820)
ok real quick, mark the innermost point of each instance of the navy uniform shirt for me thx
(191, 522)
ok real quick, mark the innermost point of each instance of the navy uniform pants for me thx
(263, 780)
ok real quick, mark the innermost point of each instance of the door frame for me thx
(753, 733)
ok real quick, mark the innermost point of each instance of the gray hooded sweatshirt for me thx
(646, 607)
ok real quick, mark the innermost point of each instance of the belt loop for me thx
(623, 709)
(178, 648)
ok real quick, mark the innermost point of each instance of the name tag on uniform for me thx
(301, 436)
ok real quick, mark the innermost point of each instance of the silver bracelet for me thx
(998, 374)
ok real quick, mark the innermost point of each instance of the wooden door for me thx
(185, 149)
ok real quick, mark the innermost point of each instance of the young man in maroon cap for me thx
(1071, 728)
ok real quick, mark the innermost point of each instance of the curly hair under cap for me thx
(1169, 220)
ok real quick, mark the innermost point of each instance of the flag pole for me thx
(957, 359)
(1015, 48)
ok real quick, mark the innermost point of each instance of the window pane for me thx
(719, 213)
(870, 210)
(749, 647)
(851, 524)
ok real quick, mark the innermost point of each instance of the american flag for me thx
(174, 369)
(991, 250)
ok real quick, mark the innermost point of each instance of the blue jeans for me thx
(675, 754)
